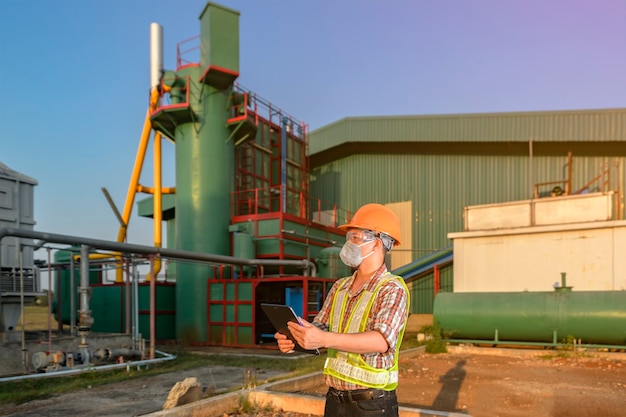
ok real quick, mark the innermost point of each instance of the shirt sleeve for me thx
(389, 312)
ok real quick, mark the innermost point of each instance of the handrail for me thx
(604, 175)
(563, 182)
(567, 182)
(298, 129)
(180, 61)
(300, 204)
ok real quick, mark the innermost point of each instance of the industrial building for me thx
(253, 214)
(430, 168)
(19, 277)
(437, 165)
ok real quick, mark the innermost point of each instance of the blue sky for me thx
(74, 76)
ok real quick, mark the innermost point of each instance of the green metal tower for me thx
(204, 159)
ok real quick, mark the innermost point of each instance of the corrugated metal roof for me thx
(602, 125)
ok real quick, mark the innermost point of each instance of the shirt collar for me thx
(371, 282)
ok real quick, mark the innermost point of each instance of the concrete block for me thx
(294, 403)
(209, 407)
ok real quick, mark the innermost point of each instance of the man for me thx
(361, 322)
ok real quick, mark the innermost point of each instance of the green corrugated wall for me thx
(422, 290)
(440, 186)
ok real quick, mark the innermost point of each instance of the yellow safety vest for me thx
(351, 367)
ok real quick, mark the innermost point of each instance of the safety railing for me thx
(187, 51)
(603, 182)
(266, 200)
(269, 112)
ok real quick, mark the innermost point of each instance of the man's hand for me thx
(311, 337)
(285, 345)
(307, 335)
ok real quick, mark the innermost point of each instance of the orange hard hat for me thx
(378, 218)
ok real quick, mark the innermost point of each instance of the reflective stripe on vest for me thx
(351, 367)
(367, 378)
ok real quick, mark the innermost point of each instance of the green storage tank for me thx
(108, 306)
(594, 317)
(165, 306)
(108, 309)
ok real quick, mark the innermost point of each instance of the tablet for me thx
(280, 315)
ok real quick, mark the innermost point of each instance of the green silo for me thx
(205, 166)
(205, 156)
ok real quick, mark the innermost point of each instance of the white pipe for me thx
(84, 315)
(156, 54)
(167, 357)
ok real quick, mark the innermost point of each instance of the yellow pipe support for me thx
(154, 98)
(112, 255)
(158, 207)
(100, 255)
(150, 190)
(132, 186)
(157, 214)
(134, 179)
(141, 154)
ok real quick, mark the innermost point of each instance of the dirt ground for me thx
(515, 382)
(477, 381)
(512, 383)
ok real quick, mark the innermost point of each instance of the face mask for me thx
(351, 254)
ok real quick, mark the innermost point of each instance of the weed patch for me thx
(435, 342)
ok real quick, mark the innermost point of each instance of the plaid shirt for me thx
(387, 316)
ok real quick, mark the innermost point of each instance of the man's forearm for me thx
(367, 342)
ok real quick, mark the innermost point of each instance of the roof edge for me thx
(7, 172)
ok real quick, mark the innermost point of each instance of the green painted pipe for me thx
(406, 269)
(592, 316)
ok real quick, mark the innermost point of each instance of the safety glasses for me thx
(359, 237)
